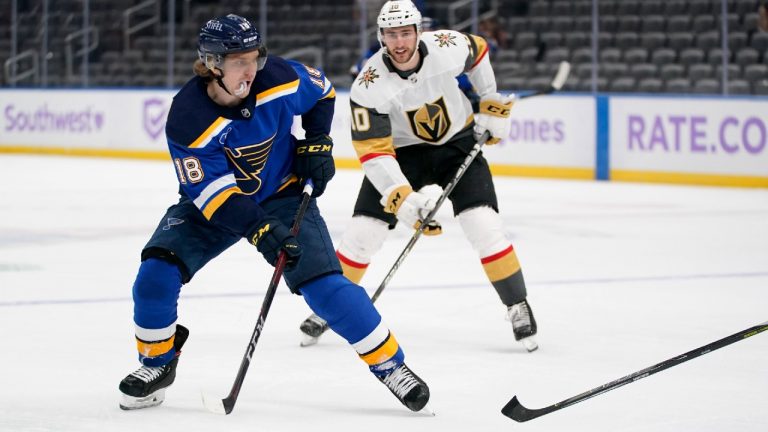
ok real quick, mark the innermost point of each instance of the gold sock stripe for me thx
(383, 352)
(154, 349)
(354, 271)
(501, 265)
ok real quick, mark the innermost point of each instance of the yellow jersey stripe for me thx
(218, 200)
(209, 133)
(276, 92)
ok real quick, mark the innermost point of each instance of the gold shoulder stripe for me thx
(331, 94)
(480, 51)
(277, 91)
(218, 200)
(212, 130)
(372, 146)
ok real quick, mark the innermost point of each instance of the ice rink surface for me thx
(620, 276)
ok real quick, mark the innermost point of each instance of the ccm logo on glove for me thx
(314, 161)
(411, 208)
(494, 117)
(314, 148)
(270, 237)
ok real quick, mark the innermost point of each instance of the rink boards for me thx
(695, 140)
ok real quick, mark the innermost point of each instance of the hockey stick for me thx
(226, 405)
(514, 410)
(563, 70)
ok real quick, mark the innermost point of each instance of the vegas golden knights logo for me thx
(431, 121)
(249, 161)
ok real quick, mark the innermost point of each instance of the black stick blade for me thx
(517, 412)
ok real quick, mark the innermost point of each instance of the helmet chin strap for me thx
(220, 82)
(238, 92)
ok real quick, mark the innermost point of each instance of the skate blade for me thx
(530, 344)
(131, 403)
(308, 340)
(427, 410)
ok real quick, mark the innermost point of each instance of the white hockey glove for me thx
(411, 208)
(493, 117)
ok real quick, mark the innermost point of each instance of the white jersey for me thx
(391, 110)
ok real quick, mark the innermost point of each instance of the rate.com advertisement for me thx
(690, 135)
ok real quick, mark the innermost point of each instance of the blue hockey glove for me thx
(270, 237)
(314, 161)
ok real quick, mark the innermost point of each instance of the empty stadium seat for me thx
(706, 86)
(760, 87)
(650, 7)
(679, 23)
(746, 56)
(623, 84)
(737, 40)
(577, 40)
(671, 71)
(653, 23)
(700, 71)
(756, 72)
(628, 7)
(613, 70)
(662, 56)
(610, 55)
(673, 7)
(715, 56)
(678, 85)
(734, 71)
(708, 40)
(679, 40)
(739, 86)
(557, 55)
(703, 23)
(626, 40)
(582, 55)
(562, 8)
(653, 40)
(644, 70)
(691, 55)
(524, 40)
(759, 41)
(636, 55)
(650, 85)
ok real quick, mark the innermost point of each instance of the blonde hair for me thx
(202, 71)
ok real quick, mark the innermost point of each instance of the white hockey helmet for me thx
(398, 13)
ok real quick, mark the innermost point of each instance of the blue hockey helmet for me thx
(228, 35)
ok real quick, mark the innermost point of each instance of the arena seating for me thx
(644, 45)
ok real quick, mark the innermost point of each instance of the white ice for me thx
(620, 276)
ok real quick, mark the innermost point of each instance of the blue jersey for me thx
(229, 159)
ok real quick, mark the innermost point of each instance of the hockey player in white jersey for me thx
(412, 127)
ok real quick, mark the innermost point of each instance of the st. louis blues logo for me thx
(249, 161)
(171, 222)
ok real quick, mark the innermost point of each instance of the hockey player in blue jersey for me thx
(239, 170)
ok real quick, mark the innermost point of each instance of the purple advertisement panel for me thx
(686, 135)
(130, 119)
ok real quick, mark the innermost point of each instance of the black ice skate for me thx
(407, 387)
(146, 386)
(523, 324)
(313, 327)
